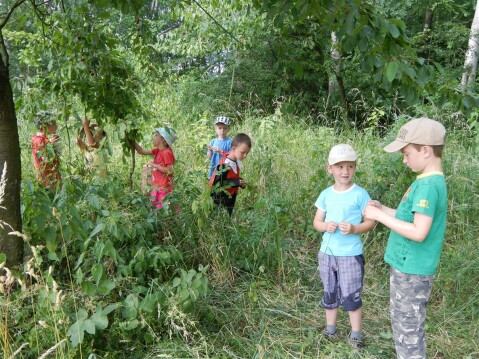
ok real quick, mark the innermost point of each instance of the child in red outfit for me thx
(45, 151)
(162, 165)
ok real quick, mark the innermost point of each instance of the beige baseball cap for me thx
(420, 131)
(341, 153)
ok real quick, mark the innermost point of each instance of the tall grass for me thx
(264, 291)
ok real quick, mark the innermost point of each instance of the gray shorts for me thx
(409, 294)
(342, 279)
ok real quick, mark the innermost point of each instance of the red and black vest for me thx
(230, 174)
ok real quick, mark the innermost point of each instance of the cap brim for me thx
(395, 146)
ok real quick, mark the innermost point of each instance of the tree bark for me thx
(427, 24)
(470, 63)
(336, 83)
(10, 216)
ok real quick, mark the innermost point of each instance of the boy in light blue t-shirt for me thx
(341, 261)
(220, 146)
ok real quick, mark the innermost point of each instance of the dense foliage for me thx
(106, 275)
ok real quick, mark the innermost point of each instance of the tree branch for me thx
(9, 13)
(217, 23)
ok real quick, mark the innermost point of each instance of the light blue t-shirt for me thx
(225, 146)
(339, 207)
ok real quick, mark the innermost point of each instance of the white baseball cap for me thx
(342, 153)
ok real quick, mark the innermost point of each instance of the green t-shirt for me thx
(427, 195)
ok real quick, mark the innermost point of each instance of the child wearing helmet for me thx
(219, 145)
(162, 165)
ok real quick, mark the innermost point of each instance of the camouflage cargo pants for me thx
(409, 295)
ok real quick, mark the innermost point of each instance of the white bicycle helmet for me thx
(223, 119)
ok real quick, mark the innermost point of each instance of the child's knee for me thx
(352, 302)
(330, 300)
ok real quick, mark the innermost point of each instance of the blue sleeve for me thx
(364, 198)
(321, 201)
(228, 145)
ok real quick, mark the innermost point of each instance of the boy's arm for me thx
(365, 226)
(390, 211)
(416, 231)
(320, 225)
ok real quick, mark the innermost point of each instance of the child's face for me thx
(343, 172)
(240, 152)
(52, 127)
(222, 130)
(159, 141)
(414, 158)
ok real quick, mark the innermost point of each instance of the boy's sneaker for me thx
(356, 343)
(329, 336)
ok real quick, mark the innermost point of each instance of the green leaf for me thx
(150, 302)
(130, 306)
(99, 319)
(110, 308)
(97, 272)
(132, 324)
(176, 282)
(53, 256)
(391, 71)
(363, 44)
(89, 326)
(77, 332)
(51, 239)
(466, 101)
(191, 274)
(97, 229)
(393, 30)
(79, 260)
(89, 288)
(184, 294)
(3, 258)
(94, 202)
(106, 286)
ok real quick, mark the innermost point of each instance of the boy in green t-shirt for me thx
(417, 233)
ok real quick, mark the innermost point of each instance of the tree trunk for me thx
(11, 245)
(470, 64)
(336, 82)
(427, 25)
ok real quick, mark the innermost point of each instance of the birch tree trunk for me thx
(336, 82)
(427, 24)
(470, 64)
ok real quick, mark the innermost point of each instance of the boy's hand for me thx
(242, 183)
(371, 212)
(214, 148)
(54, 138)
(86, 121)
(331, 227)
(346, 228)
(375, 203)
